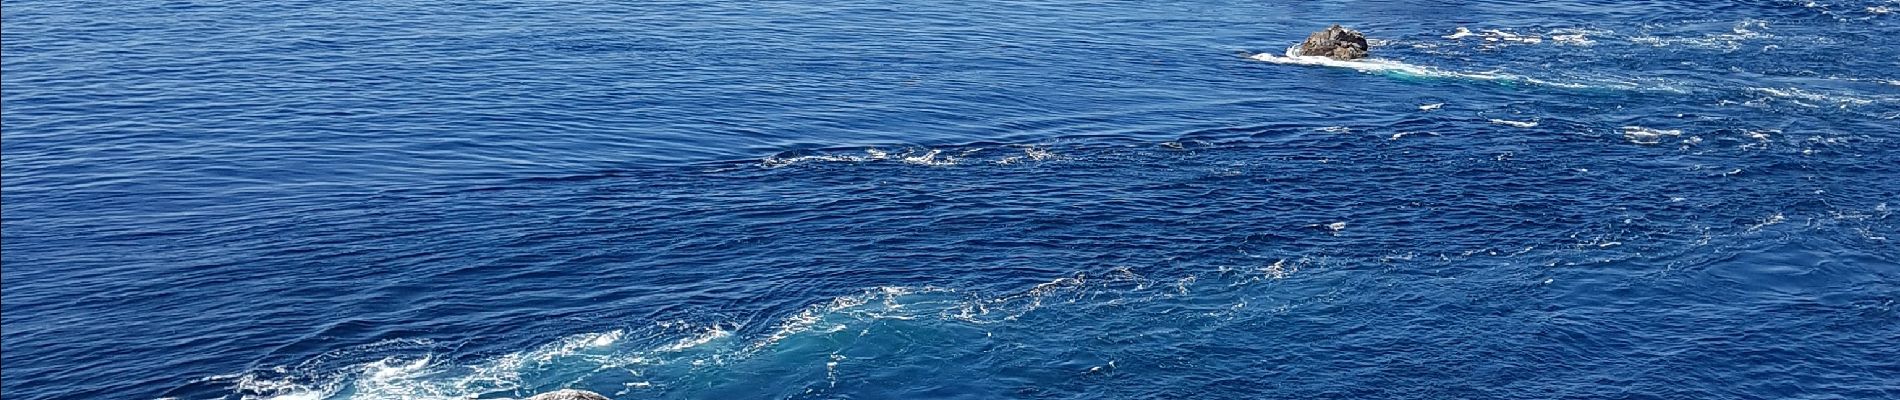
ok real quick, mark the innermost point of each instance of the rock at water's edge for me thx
(568, 394)
(1336, 42)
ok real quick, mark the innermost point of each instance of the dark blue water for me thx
(933, 200)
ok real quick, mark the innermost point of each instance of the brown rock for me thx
(1336, 42)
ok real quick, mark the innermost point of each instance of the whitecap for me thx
(1494, 35)
(1519, 124)
(1748, 29)
(1461, 33)
(930, 158)
(1576, 39)
(608, 338)
(1643, 135)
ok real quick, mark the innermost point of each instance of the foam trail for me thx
(1401, 69)
(666, 354)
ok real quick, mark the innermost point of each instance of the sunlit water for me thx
(972, 200)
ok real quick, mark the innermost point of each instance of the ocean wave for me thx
(1748, 30)
(670, 354)
(824, 343)
(930, 157)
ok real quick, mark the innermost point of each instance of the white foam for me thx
(1748, 29)
(715, 332)
(676, 352)
(607, 339)
(1030, 153)
(1038, 154)
(1393, 67)
(1430, 107)
(1494, 35)
(281, 388)
(930, 158)
(1363, 65)
(1794, 93)
(924, 157)
(1369, 65)
(1519, 124)
(778, 162)
(1499, 37)
(1461, 33)
(1643, 135)
(1577, 39)
(392, 368)
(1765, 222)
(424, 378)
(876, 303)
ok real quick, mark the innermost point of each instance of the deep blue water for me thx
(932, 200)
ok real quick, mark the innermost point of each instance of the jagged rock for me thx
(568, 394)
(1336, 42)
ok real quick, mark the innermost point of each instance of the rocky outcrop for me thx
(1336, 42)
(568, 394)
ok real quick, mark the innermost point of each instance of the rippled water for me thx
(915, 199)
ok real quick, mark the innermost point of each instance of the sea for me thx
(921, 199)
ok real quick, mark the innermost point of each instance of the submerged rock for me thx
(568, 394)
(1336, 42)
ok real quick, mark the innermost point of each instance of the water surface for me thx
(972, 200)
